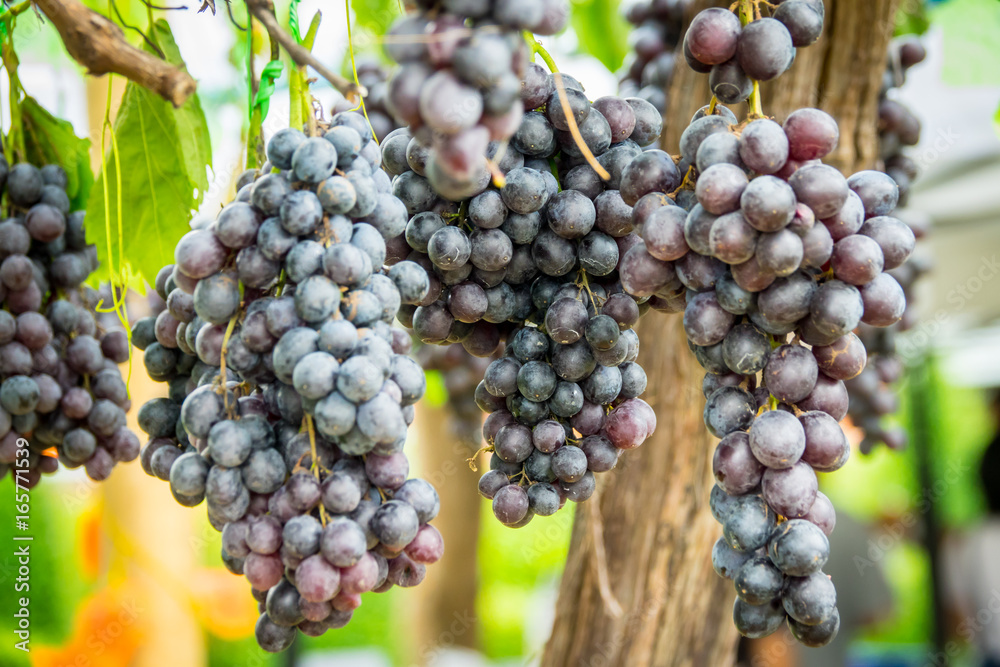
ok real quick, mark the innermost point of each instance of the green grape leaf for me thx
(602, 31)
(196, 145)
(51, 140)
(163, 153)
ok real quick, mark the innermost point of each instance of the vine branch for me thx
(100, 46)
(262, 11)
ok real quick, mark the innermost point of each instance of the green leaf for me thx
(970, 31)
(196, 145)
(911, 19)
(51, 140)
(602, 31)
(376, 15)
(163, 153)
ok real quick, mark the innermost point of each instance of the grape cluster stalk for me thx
(775, 259)
(458, 83)
(530, 271)
(873, 395)
(61, 390)
(290, 393)
(659, 29)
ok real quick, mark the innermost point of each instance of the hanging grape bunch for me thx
(872, 393)
(61, 386)
(290, 393)
(459, 82)
(736, 53)
(534, 263)
(774, 258)
(659, 28)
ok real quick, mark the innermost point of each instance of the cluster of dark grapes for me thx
(658, 32)
(290, 391)
(735, 56)
(535, 263)
(462, 373)
(459, 82)
(873, 394)
(775, 259)
(898, 127)
(373, 75)
(61, 387)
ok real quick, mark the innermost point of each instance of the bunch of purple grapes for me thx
(290, 391)
(462, 373)
(774, 259)
(535, 263)
(459, 81)
(735, 56)
(873, 394)
(658, 32)
(61, 387)
(898, 127)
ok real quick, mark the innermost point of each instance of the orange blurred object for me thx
(106, 631)
(223, 604)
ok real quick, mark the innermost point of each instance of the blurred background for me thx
(122, 575)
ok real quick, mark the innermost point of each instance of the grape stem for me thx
(472, 459)
(300, 100)
(574, 130)
(225, 348)
(315, 460)
(354, 68)
(750, 11)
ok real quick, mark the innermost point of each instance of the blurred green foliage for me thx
(56, 584)
(970, 29)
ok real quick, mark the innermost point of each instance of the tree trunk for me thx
(652, 518)
(447, 597)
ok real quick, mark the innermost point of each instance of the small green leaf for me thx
(163, 154)
(51, 140)
(602, 31)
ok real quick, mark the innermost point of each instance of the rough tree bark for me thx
(652, 516)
